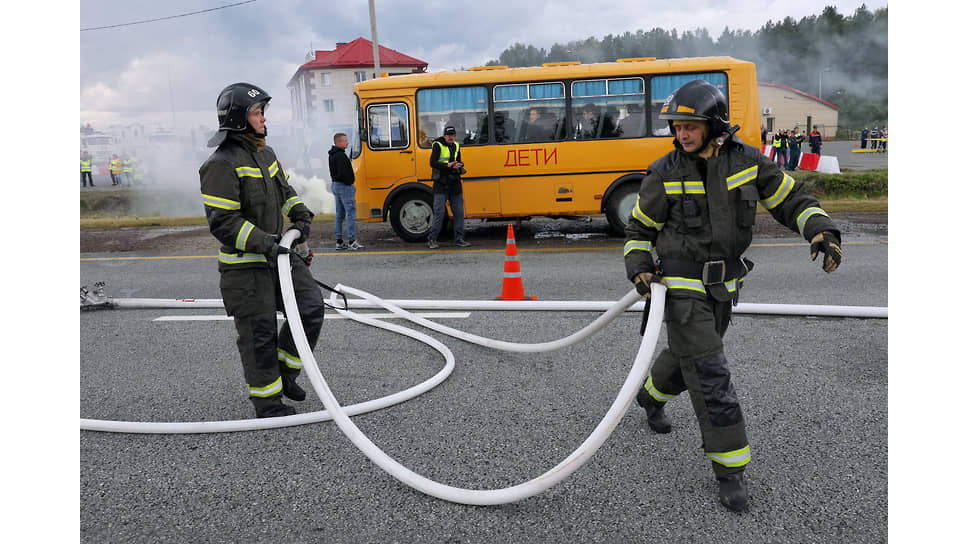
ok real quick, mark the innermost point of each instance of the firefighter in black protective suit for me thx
(246, 196)
(688, 230)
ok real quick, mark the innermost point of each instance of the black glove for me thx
(276, 250)
(272, 240)
(829, 243)
(643, 281)
(303, 228)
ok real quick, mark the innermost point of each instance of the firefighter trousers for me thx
(252, 297)
(694, 362)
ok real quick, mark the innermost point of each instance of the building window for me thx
(328, 106)
(360, 76)
(327, 79)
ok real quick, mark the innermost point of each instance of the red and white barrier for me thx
(810, 161)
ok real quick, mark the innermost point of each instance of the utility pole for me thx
(376, 45)
(820, 83)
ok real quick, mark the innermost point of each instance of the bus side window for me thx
(633, 124)
(503, 128)
(609, 123)
(481, 133)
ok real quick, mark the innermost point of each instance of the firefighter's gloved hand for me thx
(276, 250)
(829, 243)
(643, 281)
(303, 228)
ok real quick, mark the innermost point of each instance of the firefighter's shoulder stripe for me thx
(219, 202)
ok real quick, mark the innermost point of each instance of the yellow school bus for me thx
(563, 139)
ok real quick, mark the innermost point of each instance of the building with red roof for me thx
(322, 88)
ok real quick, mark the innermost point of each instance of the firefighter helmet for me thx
(233, 105)
(698, 100)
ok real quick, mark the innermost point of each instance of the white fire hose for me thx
(476, 496)
(341, 415)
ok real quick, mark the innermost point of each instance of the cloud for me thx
(126, 70)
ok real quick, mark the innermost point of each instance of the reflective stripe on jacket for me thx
(247, 198)
(736, 180)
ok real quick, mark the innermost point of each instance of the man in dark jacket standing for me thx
(247, 197)
(700, 229)
(794, 142)
(816, 141)
(341, 172)
(445, 160)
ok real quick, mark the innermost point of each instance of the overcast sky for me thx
(172, 69)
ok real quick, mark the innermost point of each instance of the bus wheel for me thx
(619, 207)
(411, 214)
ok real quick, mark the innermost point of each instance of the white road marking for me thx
(429, 315)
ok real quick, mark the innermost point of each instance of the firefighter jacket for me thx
(127, 166)
(247, 196)
(115, 166)
(86, 165)
(694, 212)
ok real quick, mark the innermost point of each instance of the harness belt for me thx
(711, 272)
(719, 279)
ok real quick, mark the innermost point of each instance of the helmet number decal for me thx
(253, 93)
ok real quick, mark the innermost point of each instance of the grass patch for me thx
(848, 185)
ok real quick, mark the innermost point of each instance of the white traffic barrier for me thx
(828, 164)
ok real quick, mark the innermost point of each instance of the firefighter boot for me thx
(271, 407)
(291, 389)
(655, 411)
(733, 492)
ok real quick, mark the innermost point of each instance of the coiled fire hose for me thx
(474, 496)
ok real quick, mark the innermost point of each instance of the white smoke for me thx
(314, 192)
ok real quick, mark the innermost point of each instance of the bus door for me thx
(482, 194)
(388, 142)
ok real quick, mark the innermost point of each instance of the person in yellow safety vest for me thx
(247, 198)
(448, 166)
(127, 168)
(115, 166)
(86, 169)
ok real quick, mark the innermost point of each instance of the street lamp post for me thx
(820, 83)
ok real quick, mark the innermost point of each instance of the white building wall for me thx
(789, 109)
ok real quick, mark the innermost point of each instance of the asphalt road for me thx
(813, 390)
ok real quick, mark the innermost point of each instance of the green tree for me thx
(847, 53)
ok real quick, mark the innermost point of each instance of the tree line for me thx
(843, 59)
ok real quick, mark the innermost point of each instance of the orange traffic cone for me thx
(513, 287)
